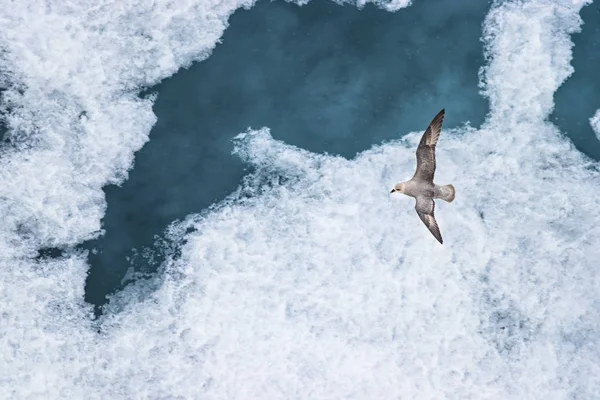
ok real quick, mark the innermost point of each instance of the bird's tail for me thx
(446, 193)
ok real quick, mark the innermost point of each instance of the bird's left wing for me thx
(425, 208)
(426, 149)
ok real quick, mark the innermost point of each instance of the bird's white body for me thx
(416, 189)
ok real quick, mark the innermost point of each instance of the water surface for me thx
(324, 77)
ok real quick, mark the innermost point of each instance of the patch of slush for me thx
(595, 123)
(310, 281)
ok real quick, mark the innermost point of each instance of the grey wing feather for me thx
(425, 209)
(426, 150)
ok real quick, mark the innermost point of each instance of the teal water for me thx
(579, 97)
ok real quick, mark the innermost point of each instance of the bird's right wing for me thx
(426, 150)
(425, 208)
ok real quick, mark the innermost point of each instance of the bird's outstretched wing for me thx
(425, 207)
(426, 150)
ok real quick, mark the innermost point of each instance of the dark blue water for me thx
(323, 77)
(579, 97)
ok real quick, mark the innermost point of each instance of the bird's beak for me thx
(393, 190)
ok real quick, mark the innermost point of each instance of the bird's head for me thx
(398, 188)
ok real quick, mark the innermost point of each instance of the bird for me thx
(421, 186)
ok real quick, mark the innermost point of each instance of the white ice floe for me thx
(595, 123)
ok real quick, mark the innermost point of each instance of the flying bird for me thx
(421, 185)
